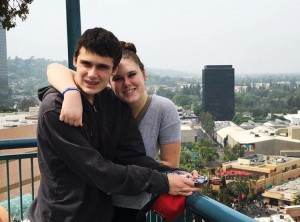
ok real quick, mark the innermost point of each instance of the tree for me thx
(187, 162)
(297, 199)
(206, 150)
(165, 93)
(10, 9)
(239, 118)
(185, 157)
(27, 102)
(182, 100)
(198, 109)
(233, 153)
(239, 150)
(207, 122)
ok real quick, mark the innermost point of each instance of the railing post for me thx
(73, 27)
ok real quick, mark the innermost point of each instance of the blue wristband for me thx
(69, 89)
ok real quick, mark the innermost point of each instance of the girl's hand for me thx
(71, 111)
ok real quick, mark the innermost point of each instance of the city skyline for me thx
(254, 36)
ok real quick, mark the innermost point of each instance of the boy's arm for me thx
(61, 78)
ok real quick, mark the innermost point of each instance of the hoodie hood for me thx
(42, 92)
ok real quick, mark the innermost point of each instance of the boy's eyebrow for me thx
(101, 65)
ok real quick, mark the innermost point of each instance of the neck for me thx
(138, 106)
(90, 99)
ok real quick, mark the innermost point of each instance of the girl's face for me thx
(128, 83)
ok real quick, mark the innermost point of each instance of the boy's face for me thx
(93, 72)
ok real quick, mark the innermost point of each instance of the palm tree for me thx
(206, 150)
(208, 153)
(185, 157)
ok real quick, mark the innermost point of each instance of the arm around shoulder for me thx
(61, 78)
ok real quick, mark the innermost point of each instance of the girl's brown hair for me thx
(129, 52)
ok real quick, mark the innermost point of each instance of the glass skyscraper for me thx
(3, 69)
(218, 91)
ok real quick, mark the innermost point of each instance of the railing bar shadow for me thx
(32, 178)
(8, 189)
(21, 185)
(188, 215)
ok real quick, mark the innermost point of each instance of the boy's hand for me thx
(181, 185)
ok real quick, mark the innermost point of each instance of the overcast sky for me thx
(255, 36)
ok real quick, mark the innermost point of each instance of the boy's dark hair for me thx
(101, 42)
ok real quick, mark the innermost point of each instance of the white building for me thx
(188, 133)
(294, 118)
(263, 139)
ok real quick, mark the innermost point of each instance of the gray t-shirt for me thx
(160, 125)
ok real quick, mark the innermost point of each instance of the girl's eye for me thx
(132, 74)
(116, 78)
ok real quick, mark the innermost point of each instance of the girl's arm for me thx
(60, 77)
(170, 154)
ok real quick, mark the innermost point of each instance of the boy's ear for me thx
(74, 61)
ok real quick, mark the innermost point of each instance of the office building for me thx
(218, 91)
(3, 69)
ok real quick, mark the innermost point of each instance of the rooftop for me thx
(290, 188)
(258, 134)
(9, 120)
(276, 218)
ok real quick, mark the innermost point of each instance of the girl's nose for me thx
(126, 81)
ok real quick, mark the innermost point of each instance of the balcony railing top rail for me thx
(17, 143)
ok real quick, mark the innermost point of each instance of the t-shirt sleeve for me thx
(170, 123)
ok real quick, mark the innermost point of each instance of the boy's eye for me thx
(86, 64)
(103, 67)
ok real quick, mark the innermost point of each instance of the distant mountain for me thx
(172, 73)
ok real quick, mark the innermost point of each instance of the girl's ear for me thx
(115, 71)
(145, 75)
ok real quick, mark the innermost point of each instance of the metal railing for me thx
(199, 208)
(17, 206)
